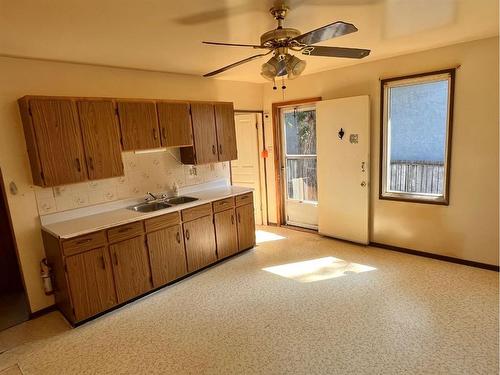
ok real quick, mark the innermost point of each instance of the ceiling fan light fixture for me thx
(271, 68)
(294, 66)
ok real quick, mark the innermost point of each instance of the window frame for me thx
(387, 83)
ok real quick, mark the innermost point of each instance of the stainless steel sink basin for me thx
(149, 207)
(181, 200)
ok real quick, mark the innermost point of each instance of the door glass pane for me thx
(300, 131)
(301, 179)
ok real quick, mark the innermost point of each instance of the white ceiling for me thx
(165, 35)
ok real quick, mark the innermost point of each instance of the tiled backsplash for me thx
(154, 172)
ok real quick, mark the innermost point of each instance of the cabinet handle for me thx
(187, 234)
(116, 259)
(91, 163)
(78, 165)
(239, 218)
(220, 149)
(213, 149)
(103, 263)
(164, 133)
(122, 230)
(178, 237)
(232, 219)
(155, 136)
(80, 242)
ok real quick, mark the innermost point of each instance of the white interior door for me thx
(246, 169)
(343, 170)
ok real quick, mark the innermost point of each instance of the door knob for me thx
(363, 183)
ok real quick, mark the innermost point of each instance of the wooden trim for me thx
(444, 258)
(44, 311)
(446, 201)
(277, 137)
(300, 229)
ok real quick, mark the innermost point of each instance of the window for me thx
(416, 136)
(299, 126)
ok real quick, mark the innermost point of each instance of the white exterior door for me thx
(246, 169)
(343, 170)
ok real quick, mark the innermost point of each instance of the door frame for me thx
(278, 152)
(3, 192)
(262, 162)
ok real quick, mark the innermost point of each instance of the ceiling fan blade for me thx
(330, 31)
(248, 59)
(234, 44)
(353, 53)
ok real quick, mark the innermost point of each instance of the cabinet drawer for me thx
(125, 231)
(162, 221)
(244, 199)
(196, 212)
(84, 243)
(223, 204)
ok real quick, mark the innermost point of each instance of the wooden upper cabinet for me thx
(226, 233)
(167, 255)
(139, 125)
(58, 140)
(175, 124)
(130, 268)
(226, 131)
(205, 136)
(101, 138)
(91, 282)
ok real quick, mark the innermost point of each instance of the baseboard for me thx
(43, 311)
(445, 258)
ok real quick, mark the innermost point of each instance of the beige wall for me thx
(468, 227)
(19, 77)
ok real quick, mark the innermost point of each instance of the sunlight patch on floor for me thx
(263, 236)
(318, 269)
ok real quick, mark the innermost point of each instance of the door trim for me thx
(278, 157)
(263, 172)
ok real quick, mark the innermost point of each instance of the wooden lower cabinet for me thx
(226, 233)
(199, 237)
(246, 226)
(91, 282)
(167, 255)
(130, 268)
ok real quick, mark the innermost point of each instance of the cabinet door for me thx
(167, 255)
(139, 125)
(101, 138)
(200, 243)
(226, 233)
(246, 226)
(226, 131)
(175, 124)
(205, 136)
(59, 141)
(130, 268)
(91, 282)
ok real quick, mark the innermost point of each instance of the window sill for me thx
(410, 198)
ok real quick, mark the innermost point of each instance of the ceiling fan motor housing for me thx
(276, 37)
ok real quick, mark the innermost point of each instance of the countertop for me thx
(90, 223)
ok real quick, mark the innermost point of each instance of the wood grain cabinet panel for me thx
(204, 134)
(246, 226)
(200, 243)
(91, 282)
(139, 125)
(175, 124)
(226, 233)
(226, 131)
(167, 255)
(101, 138)
(59, 141)
(130, 268)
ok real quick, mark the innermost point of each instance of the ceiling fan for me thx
(284, 39)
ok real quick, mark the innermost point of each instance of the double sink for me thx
(161, 204)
